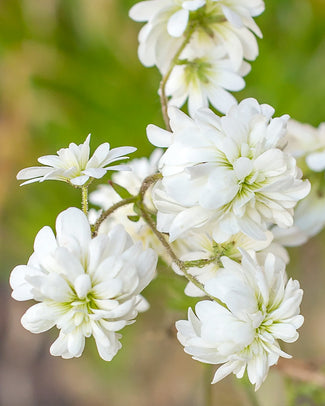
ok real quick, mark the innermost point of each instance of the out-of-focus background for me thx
(68, 68)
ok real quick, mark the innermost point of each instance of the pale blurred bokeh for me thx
(68, 68)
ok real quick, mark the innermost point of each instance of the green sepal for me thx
(135, 219)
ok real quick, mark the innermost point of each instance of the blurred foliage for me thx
(304, 394)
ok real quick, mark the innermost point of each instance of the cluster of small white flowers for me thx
(226, 200)
(207, 40)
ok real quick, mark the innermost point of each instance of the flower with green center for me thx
(260, 308)
(227, 173)
(86, 287)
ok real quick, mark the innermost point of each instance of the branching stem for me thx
(145, 213)
(111, 210)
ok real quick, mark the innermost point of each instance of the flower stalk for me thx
(84, 203)
(162, 87)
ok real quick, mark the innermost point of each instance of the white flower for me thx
(261, 308)
(204, 75)
(73, 165)
(229, 172)
(84, 286)
(196, 246)
(226, 21)
(307, 142)
(105, 197)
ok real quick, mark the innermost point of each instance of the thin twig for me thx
(111, 210)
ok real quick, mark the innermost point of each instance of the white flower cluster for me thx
(225, 182)
(86, 287)
(200, 45)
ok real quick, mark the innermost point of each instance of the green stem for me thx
(84, 204)
(147, 182)
(162, 87)
(111, 210)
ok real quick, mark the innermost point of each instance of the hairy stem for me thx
(162, 87)
(111, 210)
(148, 181)
(84, 203)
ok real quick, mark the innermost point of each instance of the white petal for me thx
(177, 23)
(159, 137)
(223, 371)
(39, 318)
(73, 223)
(193, 5)
(82, 285)
(45, 242)
(243, 167)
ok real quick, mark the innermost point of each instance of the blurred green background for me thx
(69, 68)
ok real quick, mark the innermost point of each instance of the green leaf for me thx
(120, 190)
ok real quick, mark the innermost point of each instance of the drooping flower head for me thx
(73, 164)
(261, 307)
(85, 287)
(230, 172)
